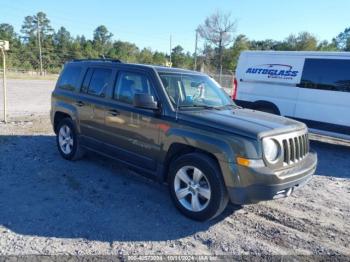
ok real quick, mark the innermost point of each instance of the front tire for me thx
(196, 186)
(67, 140)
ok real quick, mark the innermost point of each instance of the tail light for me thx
(234, 88)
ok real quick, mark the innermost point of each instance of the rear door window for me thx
(97, 81)
(326, 74)
(69, 79)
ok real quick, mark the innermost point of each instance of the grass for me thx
(14, 75)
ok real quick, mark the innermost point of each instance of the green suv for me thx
(179, 127)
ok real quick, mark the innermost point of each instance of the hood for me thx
(241, 121)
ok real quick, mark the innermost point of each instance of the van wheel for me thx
(196, 186)
(67, 140)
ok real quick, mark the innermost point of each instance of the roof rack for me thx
(98, 59)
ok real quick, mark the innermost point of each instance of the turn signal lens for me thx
(243, 161)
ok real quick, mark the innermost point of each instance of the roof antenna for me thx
(103, 57)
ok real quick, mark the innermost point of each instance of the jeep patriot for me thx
(179, 127)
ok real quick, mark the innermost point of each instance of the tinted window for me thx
(99, 81)
(129, 84)
(326, 74)
(70, 77)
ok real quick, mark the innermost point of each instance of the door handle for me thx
(80, 103)
(113, 112)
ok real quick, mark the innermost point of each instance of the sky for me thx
(149, 23)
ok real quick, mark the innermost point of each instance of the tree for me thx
(76, 49)
(89, 50)
(124, 51)
(102, 39)
(267, 44)
(206, 59)
(218, 30)
(159, 58)
(63, 44)
(240, 44)
(180, 59)
(36, 23)
(38, 26)
(62, 37)
(342, 41)
(327, 46)
(146, 56)
(8, 33)
(304, 41)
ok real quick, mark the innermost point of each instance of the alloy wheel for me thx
(192, 188)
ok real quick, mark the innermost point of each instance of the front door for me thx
(133, 132)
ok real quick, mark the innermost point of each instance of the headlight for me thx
(271, 149)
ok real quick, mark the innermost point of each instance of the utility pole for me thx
(39, 44)
(220, 55)
(170, 51)
(4, 46)
(195, 51)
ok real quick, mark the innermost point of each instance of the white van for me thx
(313, 87)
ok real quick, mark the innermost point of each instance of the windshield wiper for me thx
(200, 106)
(232, 105)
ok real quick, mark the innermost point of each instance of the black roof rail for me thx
(98, 60)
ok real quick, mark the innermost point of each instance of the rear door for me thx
(324, 95)
(91, 104)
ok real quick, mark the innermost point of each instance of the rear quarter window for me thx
(69, 79)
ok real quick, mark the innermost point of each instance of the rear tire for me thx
(197, 187)
(67, 140)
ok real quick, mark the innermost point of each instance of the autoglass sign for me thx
(278, 71)
(273, 70)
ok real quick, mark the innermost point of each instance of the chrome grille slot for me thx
(294, 148)
(297, 148)
(307, 143)
(286, 151)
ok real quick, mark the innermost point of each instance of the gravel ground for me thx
(96, 207)
(27, 97)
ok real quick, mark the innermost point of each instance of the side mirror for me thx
(145, 101)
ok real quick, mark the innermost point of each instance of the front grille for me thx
(295, 148)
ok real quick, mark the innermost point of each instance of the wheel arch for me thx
(187, 142)
(266, 104)
(62, 111)
(178, 149)
(58, 118)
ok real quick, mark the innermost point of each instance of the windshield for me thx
(186, 90)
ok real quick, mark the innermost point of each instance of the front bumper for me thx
(263, 184)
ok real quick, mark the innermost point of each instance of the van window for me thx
(99, 81)
(69, 78)
(129, 84)
(326, 74)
